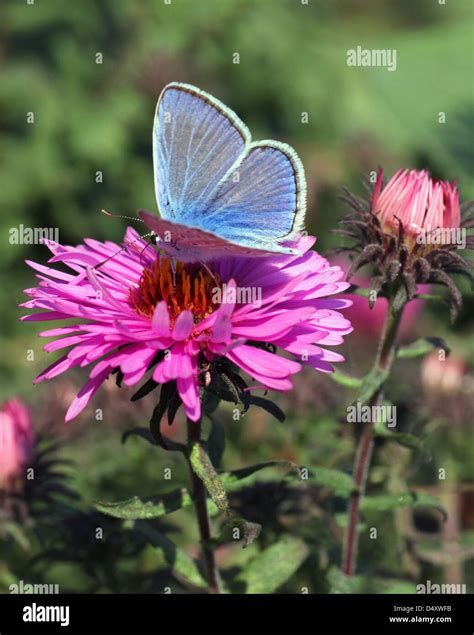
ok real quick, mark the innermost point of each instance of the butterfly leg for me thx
(173, 271)
(152, 241)
(203, 264)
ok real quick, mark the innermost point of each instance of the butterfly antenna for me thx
(129, 243)
(101, 264)
(134, 218)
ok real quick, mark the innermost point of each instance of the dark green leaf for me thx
(269, 406)
(341, 483)
(144, 508)
(340, 583)
(173, 407)
(17, 533)
(345, 380)
(231, 478)
(387, 502)
(210, 402)
(342, 519)
(215, 443)
(430, 297)
(167, 394)
(182, 566)
(144, 390)
(422, 346)
(204, 469)
(274, 566)
(402, 438)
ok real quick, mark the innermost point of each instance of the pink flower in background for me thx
(368, 321)
(138, 312)
(441, 377)
(416, 199)
(16, 440)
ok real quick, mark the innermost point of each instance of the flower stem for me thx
(200, 505)
(381, 368)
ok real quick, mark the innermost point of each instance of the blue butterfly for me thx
(218, 192)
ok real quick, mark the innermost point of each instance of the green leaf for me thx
(269, 407)
(342, 519)
(137, 508)
(341, 583)
(345, 380)
(430, 297)
(17, 533)
(144, 390)
(402, 438)
(273, 567)
(210, 402)
(231, 478)
(394, 586)
(144, 508)
(356, 290)
(215, 443)
(168, 401)
(387, 502)
(203, 468)
(182, 566)
(421, 347)
(341, 483)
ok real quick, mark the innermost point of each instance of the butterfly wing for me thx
(190, 244)
(210, 177)
(196, 140)
(262, 202)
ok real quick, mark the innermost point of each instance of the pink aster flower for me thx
(418, 201)
(410, 231)
(16, 440)
(139, 312)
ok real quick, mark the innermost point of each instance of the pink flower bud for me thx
(418, 201)
(16, 440)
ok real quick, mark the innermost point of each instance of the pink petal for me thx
(85, 394)
(183, 326)
(189, 393)
(262, 362)
(160, 322)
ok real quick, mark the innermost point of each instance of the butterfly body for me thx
(218, 192)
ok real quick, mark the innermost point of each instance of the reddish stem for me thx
(382, 364)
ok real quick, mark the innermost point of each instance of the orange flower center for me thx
(182, 286)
